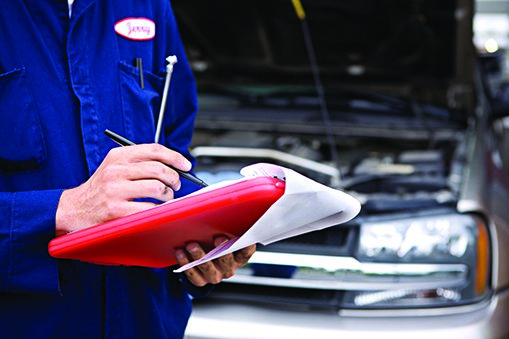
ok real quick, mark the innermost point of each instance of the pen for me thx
(122, 141)
(139, 66)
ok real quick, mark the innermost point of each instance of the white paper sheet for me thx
(305, 206)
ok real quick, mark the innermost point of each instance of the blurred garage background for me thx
(408, 113)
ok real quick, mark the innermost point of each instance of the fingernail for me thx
(178, 185)
(193, 249)
(219, 241)
(180, 254)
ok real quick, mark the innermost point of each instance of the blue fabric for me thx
(62, 83)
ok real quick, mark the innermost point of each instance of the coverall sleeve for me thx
(27, 224)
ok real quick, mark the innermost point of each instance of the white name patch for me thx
(136, 28)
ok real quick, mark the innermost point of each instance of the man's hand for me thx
(125, 174)
(216, 270)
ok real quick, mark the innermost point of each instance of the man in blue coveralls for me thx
(67, 74)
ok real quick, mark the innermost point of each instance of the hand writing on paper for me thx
(214, 271)
(125, 174)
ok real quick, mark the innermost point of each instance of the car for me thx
(390, 102)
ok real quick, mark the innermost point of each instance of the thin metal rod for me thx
(301, 14)
(172, 59)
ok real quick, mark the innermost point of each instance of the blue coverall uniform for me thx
(63, 81)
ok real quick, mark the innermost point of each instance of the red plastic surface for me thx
(149, 238)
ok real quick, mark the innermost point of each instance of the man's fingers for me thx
(195, 250)
(216, 270)
(148, 189)
(152, 152)
(242, 256)
(126, 174)
(226, 264)
(200, 275)
(208, 270)
(192, 274)
(140, 171)
(195, 277)
(144, 161)
(125, 191)
(153, 170)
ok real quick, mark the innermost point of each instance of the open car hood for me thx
(414, 49)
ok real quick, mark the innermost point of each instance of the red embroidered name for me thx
(136, 28)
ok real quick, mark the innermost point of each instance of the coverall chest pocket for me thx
(21, 142)
(140, 105)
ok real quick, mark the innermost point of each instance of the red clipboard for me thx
(149, 238)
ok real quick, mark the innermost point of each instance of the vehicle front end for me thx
(386, 101)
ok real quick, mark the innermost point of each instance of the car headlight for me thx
(451, 249)
(435, 260)
(440, 238)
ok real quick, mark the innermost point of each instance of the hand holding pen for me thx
(122, 141)
(126, 173)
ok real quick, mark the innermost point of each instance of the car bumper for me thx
(241, 321)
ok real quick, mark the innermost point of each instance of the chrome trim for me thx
(359, 284)
(484, 305)
(241, 152)
(346, 273)
(335, 264)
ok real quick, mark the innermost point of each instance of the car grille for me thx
(338, 241)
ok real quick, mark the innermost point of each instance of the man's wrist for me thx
(64, 214)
